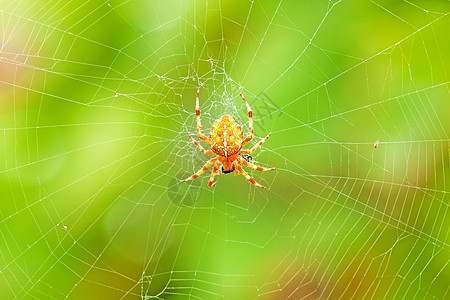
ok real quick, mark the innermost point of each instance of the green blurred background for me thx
(96, 98)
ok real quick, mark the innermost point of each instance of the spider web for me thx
(97, 96)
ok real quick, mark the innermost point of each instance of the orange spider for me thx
(226, 140)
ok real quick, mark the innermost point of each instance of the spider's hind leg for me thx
(250, 122)
(199, 123)
(207, 152)
(254, 147)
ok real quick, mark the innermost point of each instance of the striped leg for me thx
(250, 123)
(199, 123)
(239, 168)
(253, 166)
(207, 152)
(214, 171)
(254, 147)
(202, 170)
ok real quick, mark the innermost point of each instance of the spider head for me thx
(226, 172)
(244, 156)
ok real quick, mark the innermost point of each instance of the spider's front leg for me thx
(214, 171)
(239, 168)
(202, 170)
(253, 166)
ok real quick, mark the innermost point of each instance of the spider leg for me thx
(214, 171)
(199, 123)
(207, 152)
(202, 170)
(239, 168)
(250, 123)
(253, 166)
(254, 147)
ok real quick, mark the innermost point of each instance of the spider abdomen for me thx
(226, 136)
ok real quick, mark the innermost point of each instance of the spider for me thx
(226, 140)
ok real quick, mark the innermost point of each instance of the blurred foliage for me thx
(96, 98)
